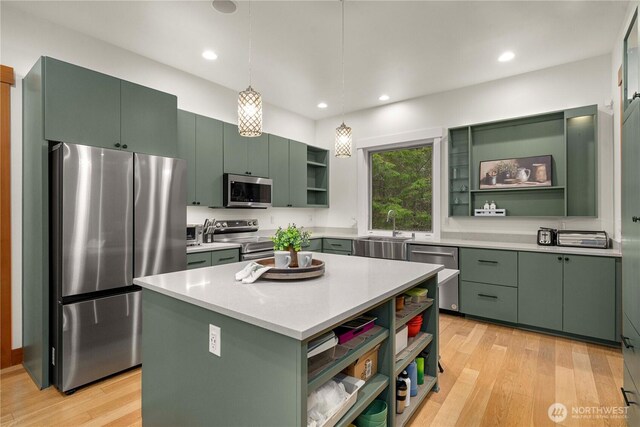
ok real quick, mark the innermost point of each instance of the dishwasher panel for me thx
(443, 255)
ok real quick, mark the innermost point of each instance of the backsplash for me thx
(269, 219)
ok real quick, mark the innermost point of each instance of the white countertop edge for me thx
(292, 333)
(210, 247)
(447, 274)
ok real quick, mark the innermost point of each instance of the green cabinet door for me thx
(187, 150)
(258, 156)
(540, 290)
(198, 260)
(148, 120)
(590, 296)
(297, 174)
(80, 106)
(631, 209)
(209, 161)
(245, 156)
(235, 151)
(279, 167)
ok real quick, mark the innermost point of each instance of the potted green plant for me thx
(291, 239)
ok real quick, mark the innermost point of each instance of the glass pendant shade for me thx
(343, 141)
(250, 113)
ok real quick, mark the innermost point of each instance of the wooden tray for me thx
(316, 269)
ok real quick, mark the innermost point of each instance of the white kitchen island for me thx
(261, 376)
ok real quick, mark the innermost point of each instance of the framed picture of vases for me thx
(516, 173)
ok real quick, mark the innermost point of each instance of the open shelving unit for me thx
(569, 136)
(317, 177)
(382, 385)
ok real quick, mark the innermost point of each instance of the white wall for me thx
(570, 85)
(25, 38)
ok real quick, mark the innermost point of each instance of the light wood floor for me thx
(494, 376)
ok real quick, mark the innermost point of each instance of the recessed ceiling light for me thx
(384, 97)
(322, 105)
(209, 55)
(506, 56)
(224, 6)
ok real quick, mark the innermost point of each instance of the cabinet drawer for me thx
(489, 266)
(631, 354)
(314, 245)
(331, 251)
(225, 256)
(198, 260)
(632, 395)
(490, 301)
(336, 245)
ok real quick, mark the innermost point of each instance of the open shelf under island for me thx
(261, 376)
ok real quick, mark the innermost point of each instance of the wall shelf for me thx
(316, 164)
(423, 391)
(317, 177)
(316, 189)
(413, 350)
(366, 395)
(568, 136)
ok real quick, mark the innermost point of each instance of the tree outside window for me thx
(401, 180)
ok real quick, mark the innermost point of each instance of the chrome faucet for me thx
(391, 215)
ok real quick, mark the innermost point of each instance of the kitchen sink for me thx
(381, 247)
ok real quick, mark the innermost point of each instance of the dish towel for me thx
(251, 272)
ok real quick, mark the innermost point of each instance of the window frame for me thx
(433, 137)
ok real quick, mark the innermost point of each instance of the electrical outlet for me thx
(214, 340)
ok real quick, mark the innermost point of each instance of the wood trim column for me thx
(7, 80)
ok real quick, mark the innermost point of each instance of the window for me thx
(402, 179)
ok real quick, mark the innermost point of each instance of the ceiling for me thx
(403, 49)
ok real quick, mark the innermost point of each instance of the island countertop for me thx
(298, 309)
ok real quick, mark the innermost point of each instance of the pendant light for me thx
(250, 103)
(343, 132)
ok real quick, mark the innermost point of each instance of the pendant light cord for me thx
(342, 1)
(249, 44)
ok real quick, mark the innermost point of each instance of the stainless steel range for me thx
(243, 232)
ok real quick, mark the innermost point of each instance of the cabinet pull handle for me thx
(202, 261)
(117, 144)
(566, 259)
(487, 261)
(559, 258)
(626, 399)
(229, 258)
(336, 245)
(635, 219)
(197, 203)
(449, 254)
(488, 296)
(193, 203)
(625, 341)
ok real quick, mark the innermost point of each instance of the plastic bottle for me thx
(404, 376)
(420, 363)
(412, 370)
(402, 394)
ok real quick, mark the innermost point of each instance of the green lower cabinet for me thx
(198, 260)
(341, 245)
(489, 266)
(226, 256)
(590, 296)
(540, 290)
(315, 245)
(489, 301)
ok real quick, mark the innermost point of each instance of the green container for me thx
(374, 416)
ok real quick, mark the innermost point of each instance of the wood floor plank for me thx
(495, 376)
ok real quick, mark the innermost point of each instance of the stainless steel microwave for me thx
(241, 191)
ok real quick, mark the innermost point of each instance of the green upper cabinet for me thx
(288, 167)
(245, 156)
(148, 120)
(589, 296)
(187, 150)
(200, 144)
(209, 161)
(80, 106)
(569, 186)
(540, 290)
(582, 163)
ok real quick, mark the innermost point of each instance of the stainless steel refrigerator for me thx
(115, 215)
